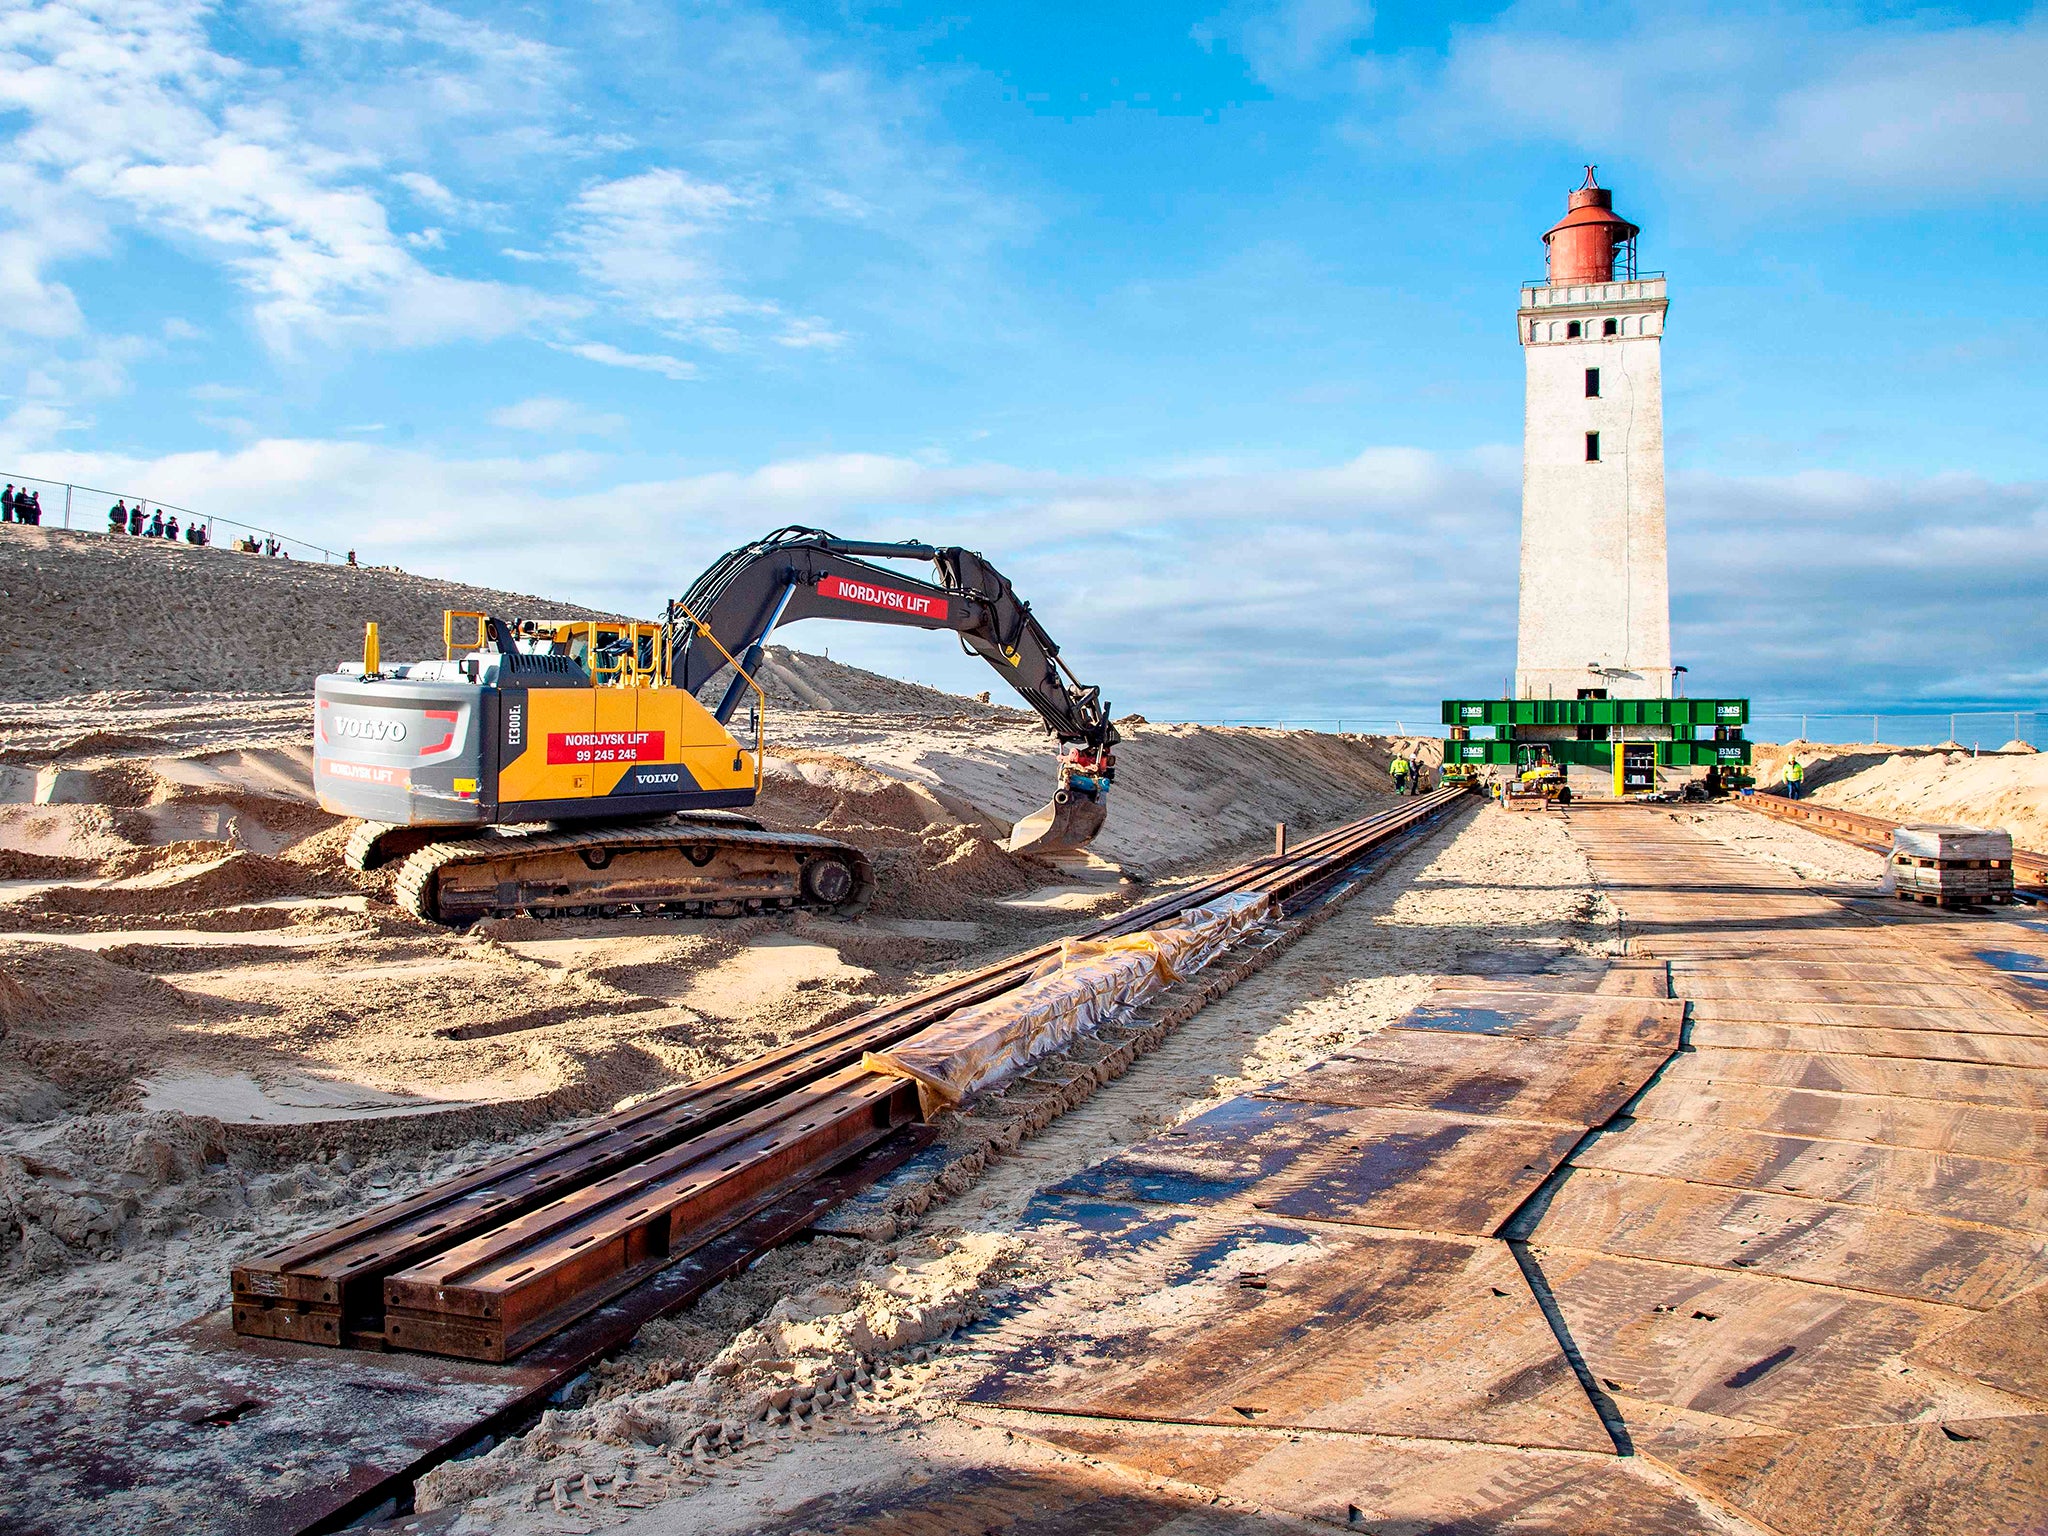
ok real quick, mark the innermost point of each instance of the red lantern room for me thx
(1584, 242)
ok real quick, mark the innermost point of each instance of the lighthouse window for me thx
(1574, 330)
(1610, 327)
(1592, 383)
(1592, 447)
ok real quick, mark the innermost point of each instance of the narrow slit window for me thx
(1592, 383)
(1592, 447)
(1610, 327)
(1573, 330)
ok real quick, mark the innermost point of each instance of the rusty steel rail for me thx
(486, 1265)
(1874, 832)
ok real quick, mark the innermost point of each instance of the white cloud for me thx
(1385, 580)
(805, 334)
(133, 118)
(427, 190)
(643, 362)
(1290, 43)
(1814, 106)
(552, 416)
(648, 242)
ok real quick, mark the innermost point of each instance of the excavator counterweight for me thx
(567, 766)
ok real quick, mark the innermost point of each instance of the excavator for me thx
(566, 766)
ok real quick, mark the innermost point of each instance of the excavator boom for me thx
(807, 573)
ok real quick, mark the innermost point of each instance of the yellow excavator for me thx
(566, 767)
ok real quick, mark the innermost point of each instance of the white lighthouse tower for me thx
(1595, 591)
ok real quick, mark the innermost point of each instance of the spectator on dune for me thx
(156, 524)
(351, 557)
(171, 527)
(35, 509)
(117, 517)
(7, 504)
(135, 519)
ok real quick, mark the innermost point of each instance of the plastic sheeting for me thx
(1090, 983)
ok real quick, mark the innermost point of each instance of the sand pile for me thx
(172, 889)
(927, 861)
(2006, 789)
(88, 610)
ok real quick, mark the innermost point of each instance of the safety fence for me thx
(1975, 728)
(85, 508)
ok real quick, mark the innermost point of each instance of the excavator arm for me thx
(806, 573)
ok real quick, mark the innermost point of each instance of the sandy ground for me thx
(214, 1037)
(844, 1359)
(2007, 788)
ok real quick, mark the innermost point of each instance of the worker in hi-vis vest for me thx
(1795, 778)
(1399, 769)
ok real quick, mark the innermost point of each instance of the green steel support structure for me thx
(1702, 731)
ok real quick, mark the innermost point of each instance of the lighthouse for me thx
(1595, 615)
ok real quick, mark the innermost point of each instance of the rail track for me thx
(487, 1266)
(1875, 832)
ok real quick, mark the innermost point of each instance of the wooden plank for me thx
(1600, 1020)
(1407, 1169)
(1264, 1323)
(2006, 1348)
(1974, 1130)
(1987, 1020)
(1898, 994)
(1396, 1488)
(1889, 971)
(1859, 1248)
(1923, 1044)
(1986, 1477)
(1888, 1076)
(1688, 1351)
(1478, 1075)
(1983, 1190)
(886, 1497)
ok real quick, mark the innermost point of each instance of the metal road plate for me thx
(1985, 1048)
(1609, 1020)
(206, 1433)
(1726, 1353)
(1259, 1323)
(1975, 1130)
(1478, 1075)
(1990, 1191)
(1986, 1477)
(1409, 1169)
(1883, 1252)
(202, 1431)
(1882, 1076)
(1393, 1487)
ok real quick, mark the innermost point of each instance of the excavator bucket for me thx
(1067, 825)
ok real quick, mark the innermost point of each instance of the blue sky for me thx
(1198, 320)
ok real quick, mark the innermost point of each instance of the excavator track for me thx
(681, 868)
(377, 843)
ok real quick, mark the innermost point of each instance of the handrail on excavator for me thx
(760, 697)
